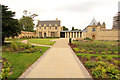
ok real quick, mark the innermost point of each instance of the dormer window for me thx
(55, 27)
(44, 27)
(50, 27)
(93, 29)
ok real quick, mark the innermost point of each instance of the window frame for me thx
(93, 29)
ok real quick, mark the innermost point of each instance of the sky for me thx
(77, 13)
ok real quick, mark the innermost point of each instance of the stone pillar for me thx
(65, 34)
(43, 34)
(73, 34)
(76, 35)
(79, 35)
(70, 35)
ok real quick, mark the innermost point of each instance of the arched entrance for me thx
(93, 36)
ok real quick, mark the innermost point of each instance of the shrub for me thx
(90, 51)
(99, 58)
(113, 71)
(109, 58)
(98, 72)
(103, 52)
(76, 49)
(7, 50)
(82, 50)
(97, 52)
(88, 57)
(5, 70)
(88, 39)
(14, 46)
(109, 52)
(83, 56)
(33, 46)
(102, 63)
(116, 52)
(116, 62)
(27, 51)
(90, 64)
(28, 45)
(31, 50)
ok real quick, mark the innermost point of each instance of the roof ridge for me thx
(93, 22)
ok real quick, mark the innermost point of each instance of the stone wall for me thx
(26, 34)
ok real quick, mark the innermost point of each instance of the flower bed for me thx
(18, 47)
(95, 47)
(6, 69)
(21, 56)
(101, 60)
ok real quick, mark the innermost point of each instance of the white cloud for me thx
(77, 13)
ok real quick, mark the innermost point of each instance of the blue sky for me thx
(77, 13)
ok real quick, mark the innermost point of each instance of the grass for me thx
(42, 41)
(96, 55)
(45, 41)
(20, 62)
(15, 39)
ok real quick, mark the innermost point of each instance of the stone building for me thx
(49, 28)
(98, 31)
(26, 34)
(95, 30)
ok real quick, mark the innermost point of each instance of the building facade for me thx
(45, 29)
(97, 31)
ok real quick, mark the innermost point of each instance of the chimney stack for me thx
(56, 19)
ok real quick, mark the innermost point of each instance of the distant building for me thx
(49, 28)
(98, 31)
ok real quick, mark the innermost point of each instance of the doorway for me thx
(93, 36)
(44, 35)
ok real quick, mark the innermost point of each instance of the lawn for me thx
(20, 61)
(45, 41)
(99, 57)
(15, 39)
(42, 41)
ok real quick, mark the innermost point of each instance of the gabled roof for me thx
(93, 22)
(52, 22)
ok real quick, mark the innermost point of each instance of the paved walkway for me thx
(58, 62)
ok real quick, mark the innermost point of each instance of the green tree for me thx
(72, 28)
(26, 22)
(10, 26)
(64, 28)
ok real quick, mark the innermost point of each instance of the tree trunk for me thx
(3, 39)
